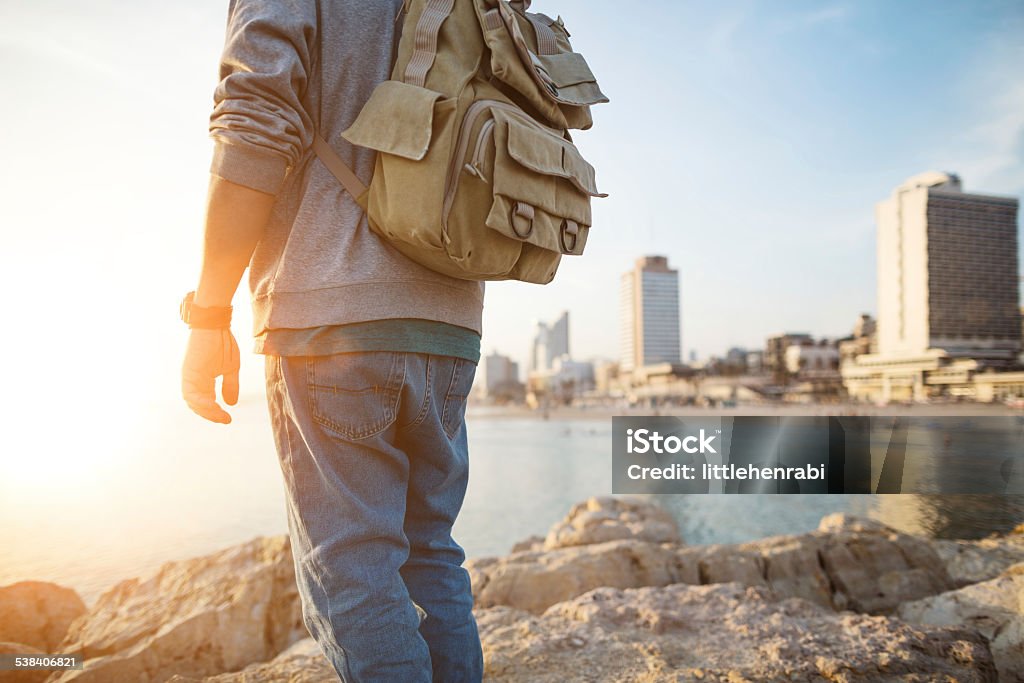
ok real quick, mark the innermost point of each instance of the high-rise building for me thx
(558, 338)
(649, 314)
(947, 270)
(549, 342)
(948, 302)
(497, 374)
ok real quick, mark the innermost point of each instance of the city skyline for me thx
(921, 231)
(768, 152)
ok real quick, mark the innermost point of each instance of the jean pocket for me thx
(355, 395)
(457, 395)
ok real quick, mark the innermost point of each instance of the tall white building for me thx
(947, 270)
(649, 314)
(497, 372)
(549, 342)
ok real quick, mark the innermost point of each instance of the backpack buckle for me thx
(568, 228)
(520, 214)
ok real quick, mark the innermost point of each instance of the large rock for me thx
(603, 519)
(842, 522)
(535, 580)
(873, 568)
(722, 632)
(303, 662)
(197, 617)
(974, 561)
(995, 608)
(849, 563)
(534, 542)
(37, 613)
(791, 567)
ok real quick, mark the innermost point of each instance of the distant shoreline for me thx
(487, 412)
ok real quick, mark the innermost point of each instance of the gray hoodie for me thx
(318, 263)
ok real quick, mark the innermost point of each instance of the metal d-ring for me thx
(521, 210)
(569, 228)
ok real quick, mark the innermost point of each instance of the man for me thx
(369, 356)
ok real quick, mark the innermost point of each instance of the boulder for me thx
(791, 566)
(198, 617)
(844, 522)
(605, 518)
(722, 632)
(535, 580)
(849, 563)
(726, 563)
(37, 613)
(303, 662)
(974, 561)
(995, 608)
(873, 568)
(532, 543)
(876, 571)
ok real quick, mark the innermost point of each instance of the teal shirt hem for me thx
(411, 335)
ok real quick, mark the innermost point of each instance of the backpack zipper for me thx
(474, 167)
(473, 113)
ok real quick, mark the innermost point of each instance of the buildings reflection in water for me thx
(943, 477)
(950, 516)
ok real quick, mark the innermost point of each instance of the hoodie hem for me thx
(365, 301)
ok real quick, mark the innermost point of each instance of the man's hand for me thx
(236, 216)
(210, 354)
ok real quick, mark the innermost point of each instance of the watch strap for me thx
(203, 317)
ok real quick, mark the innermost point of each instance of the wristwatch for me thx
(199, 317)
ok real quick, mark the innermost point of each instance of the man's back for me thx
(318, 262)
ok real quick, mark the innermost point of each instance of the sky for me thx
(746, 141)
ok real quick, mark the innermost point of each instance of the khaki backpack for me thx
(476, 175)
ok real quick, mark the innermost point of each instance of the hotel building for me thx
(649, 315)
(948, 302)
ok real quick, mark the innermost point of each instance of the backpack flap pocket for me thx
(539, 150)
(525, 222)
(571, 78)
(531, 53)
(408, 125)
(542, 187)
(397, 119)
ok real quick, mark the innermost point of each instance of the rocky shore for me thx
(612, 593)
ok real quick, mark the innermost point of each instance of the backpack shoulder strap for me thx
(338, 168)
(321, 148)
(428, 26)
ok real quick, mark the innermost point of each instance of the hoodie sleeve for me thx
(260, 124)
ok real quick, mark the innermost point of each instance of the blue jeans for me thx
(375, 461)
